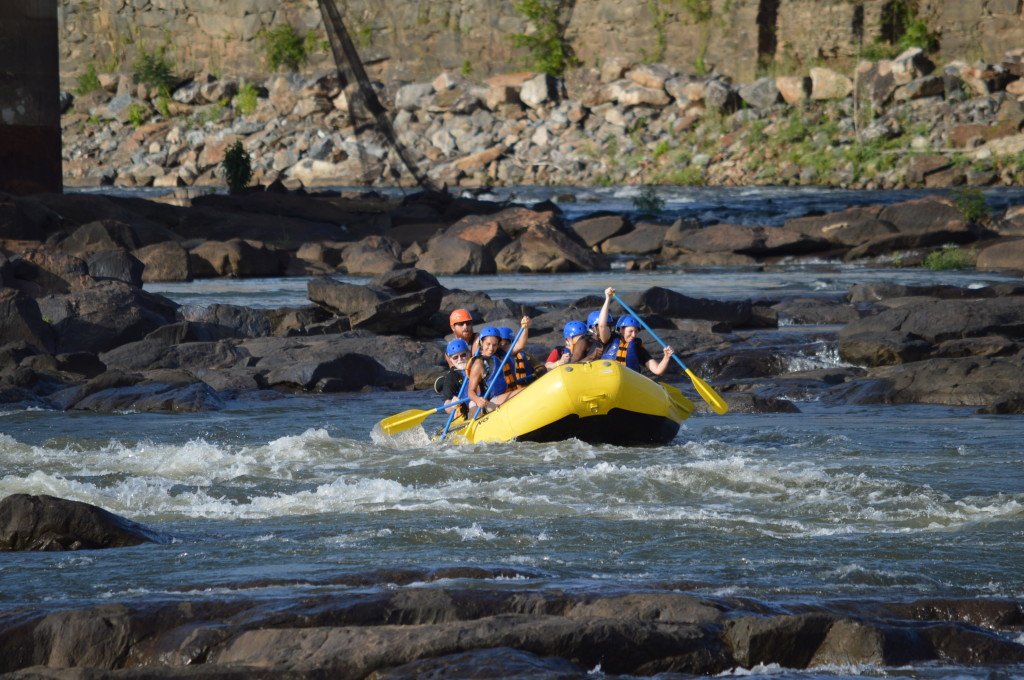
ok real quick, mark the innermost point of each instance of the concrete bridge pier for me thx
(30, 144)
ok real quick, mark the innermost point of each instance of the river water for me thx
(867, 503)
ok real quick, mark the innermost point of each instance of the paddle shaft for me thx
(462, 400)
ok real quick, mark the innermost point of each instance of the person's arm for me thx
(476, 374)
(580, 349)
(521, 344)
(554, 359)
(604, 332)
(658, 367)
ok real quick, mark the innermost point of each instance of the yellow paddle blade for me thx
(404, 420)
(706, 393)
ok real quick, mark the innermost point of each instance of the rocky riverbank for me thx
(80, 333)
(395, 624)
(888, 124)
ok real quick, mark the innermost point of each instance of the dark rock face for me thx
(501, 662)
(104, 316)
(21, 321)
(969, 381)
(45, 270)
(669, 303)
(373, 309)
(100, 235)
(153, 396)
(48, 523)
(232, 321)
(118, 265)
(645, 239)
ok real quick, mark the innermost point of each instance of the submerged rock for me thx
(49, 523)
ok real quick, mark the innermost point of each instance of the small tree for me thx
(237, 167)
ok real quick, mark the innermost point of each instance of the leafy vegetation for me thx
(138, 114)
(283, 46)
(648, 201)
(154, 69)
(237, 167)
(970, 201)
(903, 28)
(549, 52)
(950, 257)
(88, 81)
(247, 99)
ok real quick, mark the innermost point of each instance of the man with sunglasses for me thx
(461, 323)
(449, 385)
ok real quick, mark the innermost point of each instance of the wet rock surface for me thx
(417, 631)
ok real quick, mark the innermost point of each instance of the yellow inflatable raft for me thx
(600, 402)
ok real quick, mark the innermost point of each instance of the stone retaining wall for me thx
(412, 39)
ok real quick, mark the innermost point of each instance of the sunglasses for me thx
(463, 323)
(460, 355)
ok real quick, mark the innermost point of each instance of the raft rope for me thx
(350, 69)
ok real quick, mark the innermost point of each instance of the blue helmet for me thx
(490, 332)
(505, 333)
(627, 321)
(592, 318)
(456, 346)
(574, 328)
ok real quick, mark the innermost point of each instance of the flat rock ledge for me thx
(467, 631)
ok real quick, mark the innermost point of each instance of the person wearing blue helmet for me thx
(577, 346)
(486, 383)
(449, 385)
(627, 348)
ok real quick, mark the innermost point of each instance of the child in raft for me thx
(519, 368)
(576, 349)
(625, 346)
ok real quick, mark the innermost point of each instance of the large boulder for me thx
(645, 239)
(546, 249)
(595, 229)
(166, 261)
(375, 309)
(847, 228)
(49, 523)
(669, 303)
(183, 396)
(371, 256)
(965, 381)
(447, 255)
(100, 235)
(45, 270)
(1006, 255)
(117, 265)
(914, 329)
(233, 321)
(486, 233)
(21, 321)
(103, 316)
(718, 238)
(235, 258)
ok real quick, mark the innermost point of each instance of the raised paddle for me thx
(411, 418)
(712, 398)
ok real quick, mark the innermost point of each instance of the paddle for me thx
(712, 398)
(411, 418)
(498, 373)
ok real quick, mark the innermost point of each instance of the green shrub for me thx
(153, 69)
(648, 201)
(970, 201)
(237, 167)
(138, 114)
(950, 257)
(549, 52)
(88, 81)
(163, 105)
(467, 68)
(285, 47)
(690, 176)
(247, 99)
